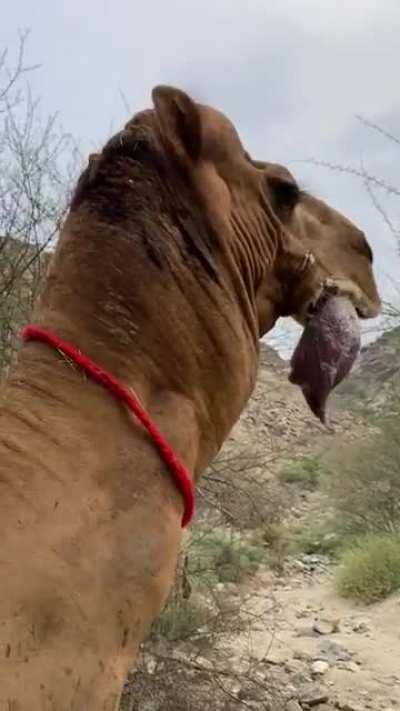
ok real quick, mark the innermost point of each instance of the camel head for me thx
(297, 256)
(249, 225)
(332, 287)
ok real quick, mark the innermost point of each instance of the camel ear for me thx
(179, 121)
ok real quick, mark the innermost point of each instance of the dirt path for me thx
(324, 643)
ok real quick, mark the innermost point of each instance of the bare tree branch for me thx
(378, 129)
(36, 172)
(357, 172)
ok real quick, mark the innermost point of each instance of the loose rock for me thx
(319, 667)
(333, 652)
(312, 695)
(348, 706)
(360, 626)
(293, 705)
(352, 667)
(325, 627)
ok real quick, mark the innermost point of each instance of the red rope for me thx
(179, 473)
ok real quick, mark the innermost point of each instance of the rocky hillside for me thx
(375, 380)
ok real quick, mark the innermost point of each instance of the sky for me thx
(294, 76)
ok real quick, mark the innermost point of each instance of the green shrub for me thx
(273, 534)
(370, 570)
(237, 562)
(225, 557)
(322, 539)
(181, 619)
(363, 482)
(305, 471)
(278, 541)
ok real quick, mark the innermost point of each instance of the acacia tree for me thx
(37, 162)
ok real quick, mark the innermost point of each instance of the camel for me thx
(178, 254)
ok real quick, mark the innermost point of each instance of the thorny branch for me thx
(37, 164)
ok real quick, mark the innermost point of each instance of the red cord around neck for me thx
(179, 473)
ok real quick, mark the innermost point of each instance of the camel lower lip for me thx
(326, 351)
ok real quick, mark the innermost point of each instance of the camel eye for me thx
(285, 195)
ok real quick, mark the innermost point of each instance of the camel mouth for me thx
(327, 350)
(339, 286)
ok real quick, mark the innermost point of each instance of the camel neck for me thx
(180, 476)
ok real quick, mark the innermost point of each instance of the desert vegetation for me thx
(38, 162)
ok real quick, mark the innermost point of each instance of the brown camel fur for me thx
(178, 253)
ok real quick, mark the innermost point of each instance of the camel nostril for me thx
(364, 313)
